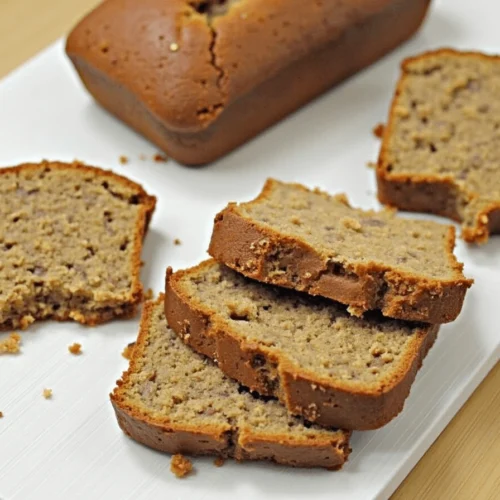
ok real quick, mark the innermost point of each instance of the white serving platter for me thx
(70, 446)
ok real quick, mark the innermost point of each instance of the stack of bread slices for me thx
(311, 321)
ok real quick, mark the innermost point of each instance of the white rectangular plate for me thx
(71, 446)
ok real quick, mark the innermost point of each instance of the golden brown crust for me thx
(431, 193)
(222, 441)
(327, 402)
(147, 206)
(196, 116)
(398, 294)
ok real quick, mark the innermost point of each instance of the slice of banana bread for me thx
(71, 240)
(440, 149)
(307, 240)
(322, 363)
(177, 401)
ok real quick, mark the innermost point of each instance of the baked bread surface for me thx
(175, 400)
(322, 363)
(71, 239)
(440, 149)
(198, 78)
(310, 241)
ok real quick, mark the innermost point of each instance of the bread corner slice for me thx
(439, 151)
(71, 240)
(332, 368)
(304, 239)
(175, 400)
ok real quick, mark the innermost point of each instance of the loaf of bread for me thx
(330, 367)
(71, 240)
(177, 401)
(440, 149)
(199, 78)
(307, 240)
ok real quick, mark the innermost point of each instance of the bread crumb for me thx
(75, 349)
(378, 130)
(123, 160)
(350, 223)
(143, 157)
(26, 321)
(47, 393)
(174, 47)
(128, 352)
(387, 357)
(177, 241)
(160, 158)
(401, 111)
(377, 350)
(342, 198)
(180, 465)
(11, 344)
(77, 316)
(356, 311)
(372, 165)
(1, 414)
(149, 294)
(219, 462)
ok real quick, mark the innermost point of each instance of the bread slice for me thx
(322, 363)
(440, 149)
(307, 240)
(71, 240)
(177, 401)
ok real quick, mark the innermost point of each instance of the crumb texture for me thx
(168, 382)
(128, 351)
(180, 465)
(47, 393)
(11, 344)
(69, 239)
(168, 378)
(312, 334)
(445, 127)
(352, 237)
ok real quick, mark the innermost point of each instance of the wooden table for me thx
(464, 463)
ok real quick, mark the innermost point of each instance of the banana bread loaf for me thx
(198, 78)
(322, 363)
(71, 240)
(177, 401)
(310, 241)
(440, 149)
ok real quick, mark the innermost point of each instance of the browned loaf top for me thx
(440, 149)
(177, 401)
(333, 368)
(71, 240)
(307, 240)
(200, 77)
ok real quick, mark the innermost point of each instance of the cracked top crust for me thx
(188, 60)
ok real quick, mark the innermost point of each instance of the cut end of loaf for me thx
(71, 237)
(439, 151)
(207, 413)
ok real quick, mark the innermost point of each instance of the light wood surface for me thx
(464, 463)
